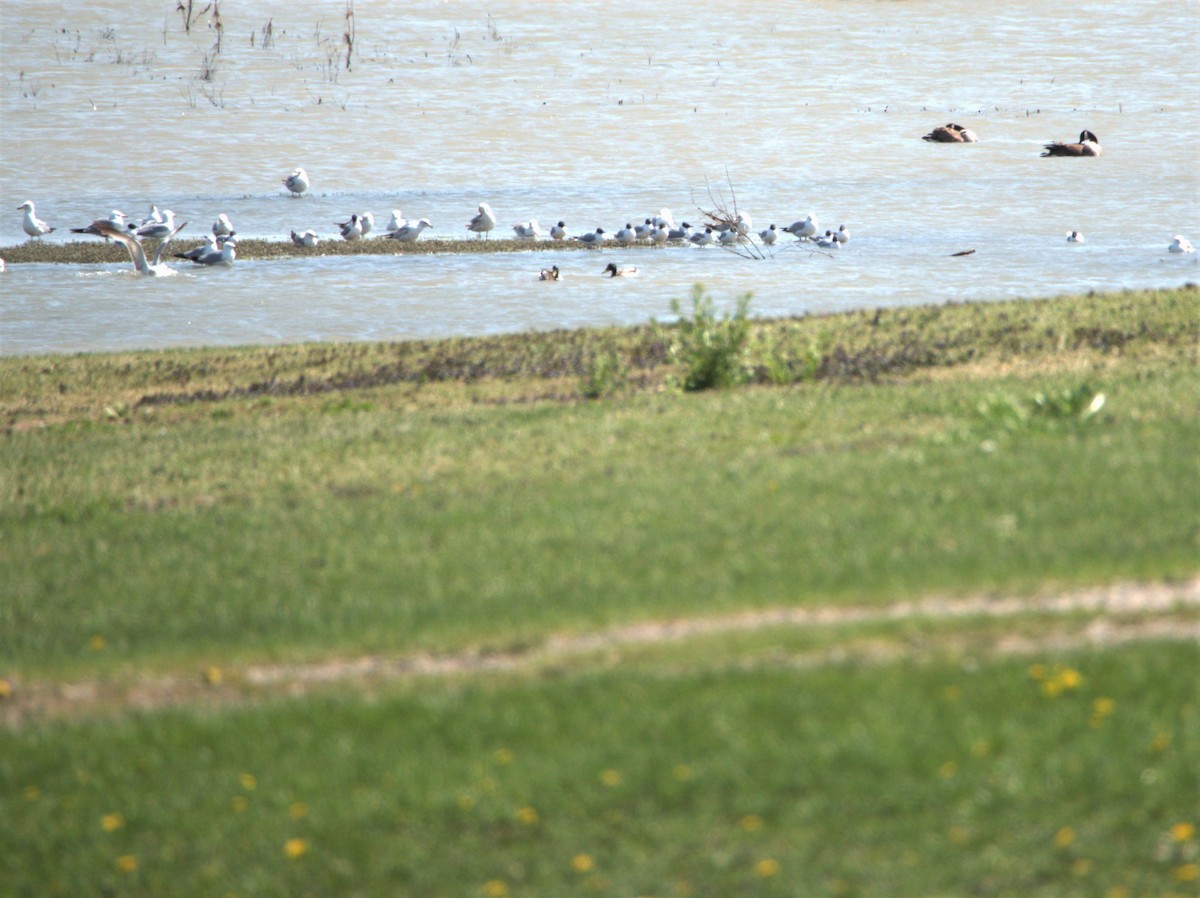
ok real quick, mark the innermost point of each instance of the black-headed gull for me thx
(305, 238)
(769, 235)
(658, 235)
(829, 241)
(683, 232)
(703, 238)
(1088, 145)
(614, 272)
(411, 231)
(222, 227)
(625, 235)
(1075, 237)
(549, 274)
(664, 219)
(137, 255)
(728, 237)
(297, 182)
(1181, 245)
(31, 224)
(482, 222)
(642, 231)
(351, 230)
(558, 231)
(842, 234)
(529, 230)
(595, 239)
(951, 133)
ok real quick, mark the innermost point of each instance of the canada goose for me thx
(1089, 145)
(951, 133)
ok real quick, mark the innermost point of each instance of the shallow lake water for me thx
(596, 115)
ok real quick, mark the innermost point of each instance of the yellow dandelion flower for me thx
(495, 888)
(948, 770)
(1186, 873)
(752, 823)
(1102, 707)
(1070, 678)
(127, 863)
(527, 815)
(503, 756)
(582, 863)
(1064, 837)
(212, 676)
(97, 643)
(32, 793)
(239, 803)
(1052, 688)
(1181, 832)
(248, 781)
(683, 772)
(112, 822)
(767, 867)
(610, 777)
(1117, 892)
(1082, 866)
(1037, 671)
(952, 694)
(295, 848)
(1161, 741)
(6, 689)
(297, 810)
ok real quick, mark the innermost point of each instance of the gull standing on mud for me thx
(594, 240)
(137, 255)
(222, 256)
(559, 231)
(411, 231)
(350, 230)
(529, 230)
(31, 224)
(305, 238)
(396, 222)
(483, 222)
(222, 227)
(297, 182)
(160, 230)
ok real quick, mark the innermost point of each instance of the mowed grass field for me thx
(389, 619)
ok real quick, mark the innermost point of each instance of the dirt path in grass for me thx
(1105, 616)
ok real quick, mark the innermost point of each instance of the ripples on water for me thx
(597, 117)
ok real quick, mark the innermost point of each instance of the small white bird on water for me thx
(31, 224)
(483, 222)
(297, 182)
(222, 227)
(1075, 237)
(137, 255)
(305, 238)
(411, 231)
(843, 236)
(1181, 245)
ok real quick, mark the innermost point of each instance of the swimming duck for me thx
(31, 224)
(951, 133)
(549, 274)
(614, 272)
(1075, 237)
(482, 222)
(1181, 245)
(1088, 145)
(297, 182)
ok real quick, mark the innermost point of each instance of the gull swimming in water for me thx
(614, 272)
(305, 238)
(1088, 145)
(31, 224)
(222, 227)
(559, 231)
(160, 230)
(411, 231)
(530, 230)
(1181, 245)
(483, 222)
(297, 182)
(137, 254)
(829, 241)
(549, 274)
(842, 235)
(594, 239)
(1075, 237)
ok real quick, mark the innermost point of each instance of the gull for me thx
(367, 220)
(664, 219)
(137, 255)
(683, 232)
(625, 235)
(803, 230)
(411, 231)
(223, 257)
(614, 272)
(843, 235)
(1181, 245)
(769, 235)
(32, 225)
(159, 230)
(152, 217)
(528, 229)
(352, 229)
(559, 231)
(659, 235)
(297, 182)
(305, 238)
(3, 267)
(728, 237)
(549, 274)
(397, 221)
(703, 239)
(483, 222)
(741, 224)
(594, 239)
(642, 231)
(222, 227)
(1089, 145)
(1075, 237)
(829, 241)
(951, 133)
(208, 246)
(117, 217)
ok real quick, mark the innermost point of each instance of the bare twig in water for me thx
(724, 215)
(348, 35)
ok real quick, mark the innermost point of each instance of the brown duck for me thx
(951, 133)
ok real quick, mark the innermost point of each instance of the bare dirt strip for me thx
(1092, 618)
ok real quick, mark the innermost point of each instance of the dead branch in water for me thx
(725, 216)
